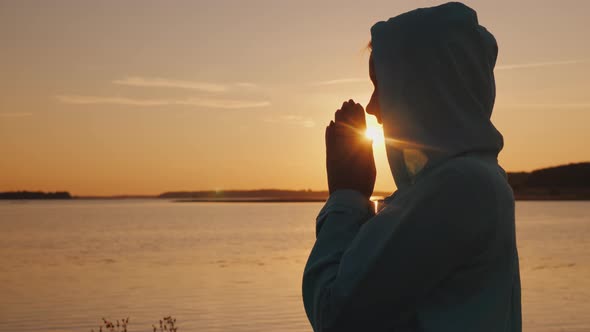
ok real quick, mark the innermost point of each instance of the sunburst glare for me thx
(375, 132)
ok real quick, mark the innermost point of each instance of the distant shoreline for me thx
(548, 198)
(569, 182)
(250, 200)
(34, 195)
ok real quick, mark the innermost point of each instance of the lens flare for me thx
(375, 132)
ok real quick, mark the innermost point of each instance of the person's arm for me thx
(337, 225)
(363, 278)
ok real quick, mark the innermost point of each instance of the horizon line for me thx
(252, 190)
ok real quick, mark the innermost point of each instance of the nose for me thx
(373, 107)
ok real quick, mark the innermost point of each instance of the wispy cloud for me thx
(157, 82)
(569, 106)
(248, 85)
(541, 64)
(292, 119)
(15, 114)
(339, 81)
(193, 101)
(89, 100)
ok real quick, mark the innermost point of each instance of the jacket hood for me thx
(435, 72)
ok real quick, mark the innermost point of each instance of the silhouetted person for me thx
(441, 254)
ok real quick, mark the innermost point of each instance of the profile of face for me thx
(373, 106)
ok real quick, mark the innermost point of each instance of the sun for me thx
(375, 132)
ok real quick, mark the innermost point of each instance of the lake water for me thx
(228, 266)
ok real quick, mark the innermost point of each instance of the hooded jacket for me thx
(440, 255)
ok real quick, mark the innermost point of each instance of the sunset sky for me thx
(142, 97)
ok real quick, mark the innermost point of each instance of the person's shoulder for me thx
(467, 193)
(469, 173)
(468, 181)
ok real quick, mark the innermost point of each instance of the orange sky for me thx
(141, 97)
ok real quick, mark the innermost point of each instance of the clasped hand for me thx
(349, 153)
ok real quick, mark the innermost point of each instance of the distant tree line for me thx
(565, 182)
(35, 195)
(571, 182)
(275, 193)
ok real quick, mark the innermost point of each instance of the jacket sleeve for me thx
(369, 277)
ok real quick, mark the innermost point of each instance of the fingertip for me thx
(330, 127)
